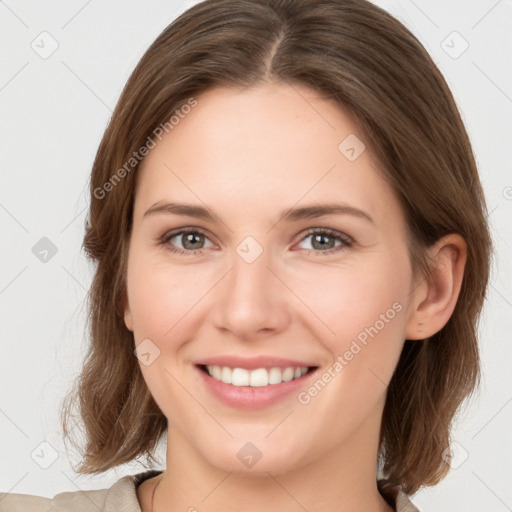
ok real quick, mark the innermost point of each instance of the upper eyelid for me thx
(179, 231)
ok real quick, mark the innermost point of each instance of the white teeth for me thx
(225, 375)
(288, 374)
(217, 372)
(255, 378)
(275, 376)
(258, 378)
(240, 377)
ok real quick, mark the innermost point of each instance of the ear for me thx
(128, 320)
(434, 299)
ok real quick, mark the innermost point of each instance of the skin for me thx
(247, 156)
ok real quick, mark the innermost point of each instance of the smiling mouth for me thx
(260, 377)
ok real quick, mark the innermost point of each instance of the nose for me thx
(251, 300)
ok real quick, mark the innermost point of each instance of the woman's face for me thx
(254, 278)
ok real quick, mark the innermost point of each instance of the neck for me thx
(344, 479)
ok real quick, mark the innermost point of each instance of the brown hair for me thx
(360, 56)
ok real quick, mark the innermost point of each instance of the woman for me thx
(292, 254)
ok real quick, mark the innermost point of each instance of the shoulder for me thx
(11, 502)
(122, 495)
(396, 497)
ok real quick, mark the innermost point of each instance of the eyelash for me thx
(345, 239)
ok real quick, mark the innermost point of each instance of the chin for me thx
(256, 458)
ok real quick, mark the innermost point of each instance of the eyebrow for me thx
(290, 215)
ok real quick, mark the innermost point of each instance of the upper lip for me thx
(252, 363)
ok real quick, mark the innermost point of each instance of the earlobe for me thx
(434, 300)
(128, 320)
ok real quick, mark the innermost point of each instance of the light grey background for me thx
(53, 112)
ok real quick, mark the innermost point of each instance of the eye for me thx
(324, 240)
(192, 241)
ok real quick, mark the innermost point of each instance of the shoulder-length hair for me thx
(360, 56)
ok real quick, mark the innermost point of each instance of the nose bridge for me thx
(252, 297)
(250, 274)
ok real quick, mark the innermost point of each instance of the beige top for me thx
(121, 497)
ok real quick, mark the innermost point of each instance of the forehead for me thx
(273, 144)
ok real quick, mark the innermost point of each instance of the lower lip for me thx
(247, 397)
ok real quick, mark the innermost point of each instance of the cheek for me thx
(365, 310)
(346, 300)
(161, 303)
(363, 318)
(161, 299)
